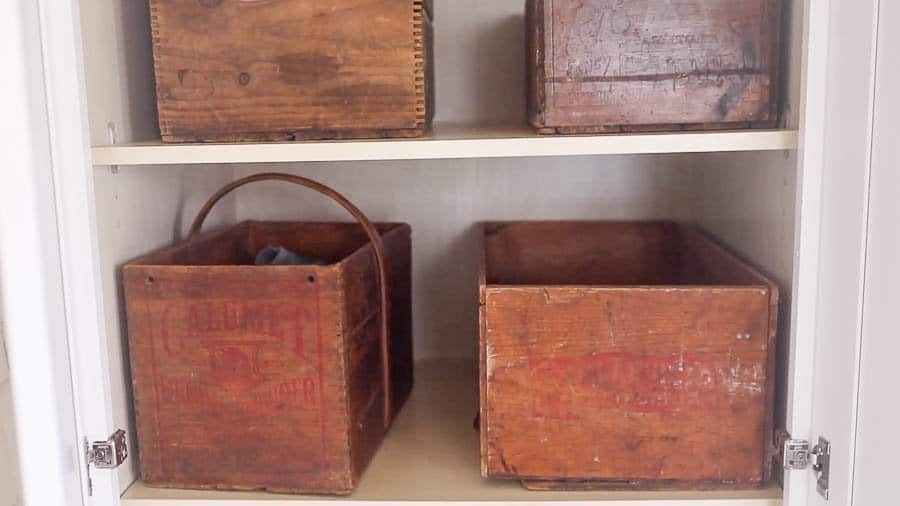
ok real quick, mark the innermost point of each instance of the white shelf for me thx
(447, 141)
(431, 456)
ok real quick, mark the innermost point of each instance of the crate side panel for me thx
(705, 261)
(327, 241)
(581, 252)
(534, 61)
(626, 384)
(398, 247)
(236, 378)
(224, 246)
(362, 342)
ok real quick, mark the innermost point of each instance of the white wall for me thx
(480, 60)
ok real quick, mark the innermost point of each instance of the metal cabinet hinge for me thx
(797, 454)
(108, 454)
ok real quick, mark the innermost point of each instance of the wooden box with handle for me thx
(624, 355)
(281, 70)
(278, 378)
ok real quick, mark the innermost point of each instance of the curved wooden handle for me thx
(377, 247)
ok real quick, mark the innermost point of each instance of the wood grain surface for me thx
(607, 65)
(661, 377)
(264, 378)
(238, 70)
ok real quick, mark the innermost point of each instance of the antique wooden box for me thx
(269, 378)
(623, 355)
(238, 70)
(599, 66)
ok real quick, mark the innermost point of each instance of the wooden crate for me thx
(233, 70)
(599, 66)
(268, 378)
(623, 355)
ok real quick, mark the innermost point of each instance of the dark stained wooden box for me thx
(266, 378)
(598, 66)
(623, 355)
(276, 70)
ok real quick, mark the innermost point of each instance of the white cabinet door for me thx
(31, 281)
(48, 257)
(877, 443)
(840, 269)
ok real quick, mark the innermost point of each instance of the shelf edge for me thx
(443, 148)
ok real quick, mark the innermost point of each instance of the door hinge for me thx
(797, 454)
(108, 454)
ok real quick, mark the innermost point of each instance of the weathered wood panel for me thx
(610, 253)
(361, 340)
(664, 385)
(229, 369)
(609, 65)
(236, 70)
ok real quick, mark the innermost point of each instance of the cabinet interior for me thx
(746, 200)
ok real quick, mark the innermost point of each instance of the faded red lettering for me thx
(566, 386)
(220, 319)
(176, 389)
(296, 390)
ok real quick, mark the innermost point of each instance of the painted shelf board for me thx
(431, 456)
(444, 142)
